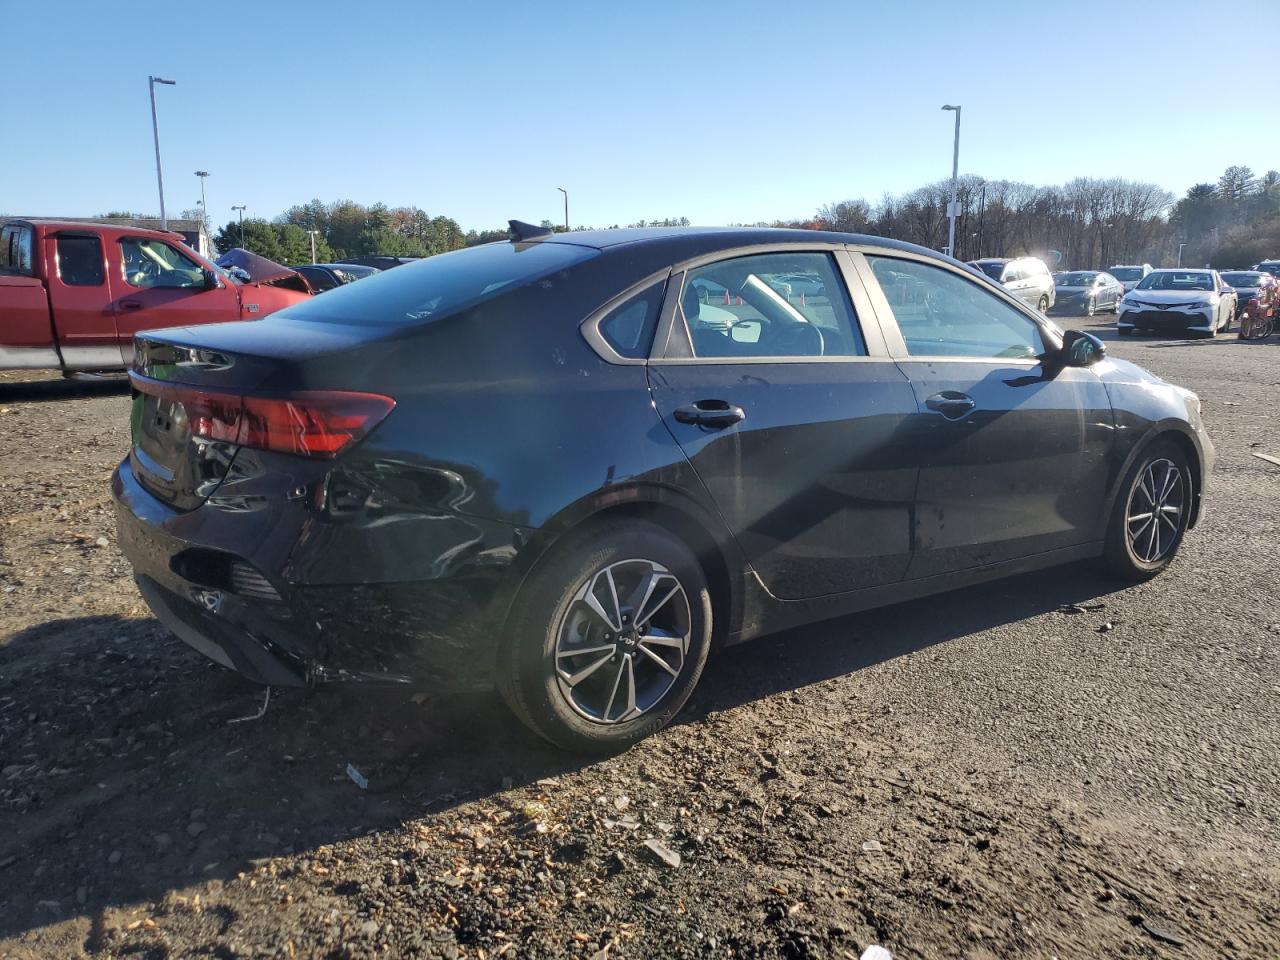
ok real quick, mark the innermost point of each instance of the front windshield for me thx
(1244, 278)
(1177, 280)
(1081, 278)
(1126, 274)
(992, 270)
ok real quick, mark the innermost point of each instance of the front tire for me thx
(608, 638)
(1043, 306)
(1090, 307)
(1151, 513)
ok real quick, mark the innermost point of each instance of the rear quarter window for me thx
(441, 285)
(15, 249)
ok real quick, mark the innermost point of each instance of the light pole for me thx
(566, 207)
(955, 171)
(241, 208)
(204, 204)
(155, 131)
(1180, 246)
(312, 235)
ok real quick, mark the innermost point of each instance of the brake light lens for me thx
(308, 423)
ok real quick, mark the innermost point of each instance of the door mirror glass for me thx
(746, 331)
(211, 281)
(1082, 349)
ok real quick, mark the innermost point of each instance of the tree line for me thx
(1087, 223)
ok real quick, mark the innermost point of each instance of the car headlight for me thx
(1191, 397)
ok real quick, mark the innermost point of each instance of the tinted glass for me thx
(440, 285)
(1080, 278)
(943, 314)
(151, 263)
(1241, 279)
(80, 261)
(15, 249)
(992, 270)
(771, 305)
(629, 328)
(1127, 273)
(1177, 280)
(320, 280)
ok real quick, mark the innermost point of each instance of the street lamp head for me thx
(948, 106)
(168, 83)
(202, 173)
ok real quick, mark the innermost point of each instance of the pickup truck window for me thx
(80, 261)
(150, 263)
(15, 248)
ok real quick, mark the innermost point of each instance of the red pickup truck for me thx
(72, 294)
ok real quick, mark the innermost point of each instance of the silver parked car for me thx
(1027, 278)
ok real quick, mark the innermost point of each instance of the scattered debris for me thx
(1162, 935)
(1081, 607)
(262, 711)
(1109, 626)
(357, 777)
(1267, 457)
(876, 952)
(871, 846)
(663, 853)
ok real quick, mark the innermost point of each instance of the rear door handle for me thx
(951, 404)
(130, 305)
(710, 413)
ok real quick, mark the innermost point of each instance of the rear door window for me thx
(770, 305)
(15, 249)
(80, 261)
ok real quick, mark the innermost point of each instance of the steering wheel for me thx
(800, 340)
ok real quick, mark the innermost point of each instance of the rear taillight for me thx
(310, 423)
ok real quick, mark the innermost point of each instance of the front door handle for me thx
(710, 413)
(130, 305)
(951, 404)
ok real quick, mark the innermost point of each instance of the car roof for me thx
(92, 226)
(694, 241)
(1183, 270)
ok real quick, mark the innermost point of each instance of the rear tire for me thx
(624, 684)
(1151, 513)
(1043, 306)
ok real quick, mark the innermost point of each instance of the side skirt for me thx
(772, 615)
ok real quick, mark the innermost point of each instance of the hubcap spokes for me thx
(623, 640)
(1154, 518)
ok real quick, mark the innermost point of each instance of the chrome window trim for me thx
(590, 327)
(889, 322)
(673, 332)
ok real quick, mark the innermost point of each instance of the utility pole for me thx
(155, 131)
(204, 204)
(1180, 246)
(566, 207)
(312, 235)
(982, 214)
(241, 208)
(955, 173)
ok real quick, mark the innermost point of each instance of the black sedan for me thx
(1085, 292)
(327, 276)
(550, 465)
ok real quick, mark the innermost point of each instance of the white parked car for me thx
(1178, 299)
(1027, 278)
(1130, 275)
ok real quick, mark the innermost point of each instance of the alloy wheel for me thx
(622, 642)
(1156, 505)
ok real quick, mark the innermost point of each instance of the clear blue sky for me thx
(726, 111)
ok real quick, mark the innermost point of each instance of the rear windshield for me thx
(1243, 279)
(439, 285)
(992, 270)
(1078, 279)
(1127, 273)
(1177, 280)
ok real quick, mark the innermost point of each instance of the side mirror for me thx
(1081, 349)
(211, 280)
(745, 331)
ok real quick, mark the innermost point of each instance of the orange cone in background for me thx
(726, 298)
(802, 298)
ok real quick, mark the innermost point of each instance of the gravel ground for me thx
(977, 775)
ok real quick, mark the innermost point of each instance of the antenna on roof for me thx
(518, 231)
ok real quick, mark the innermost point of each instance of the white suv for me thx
(1027, 278)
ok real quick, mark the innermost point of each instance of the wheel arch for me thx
(1172, 431)
(664, 507)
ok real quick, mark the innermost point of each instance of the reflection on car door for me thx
(814, 478)
(160, 286)
(1013, 452)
